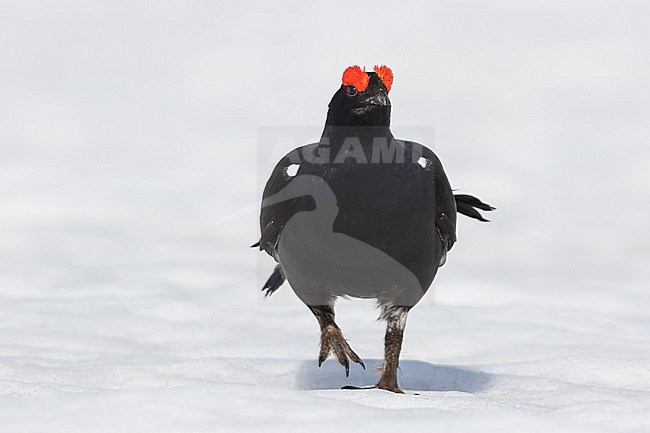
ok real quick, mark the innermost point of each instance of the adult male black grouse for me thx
(360, 214)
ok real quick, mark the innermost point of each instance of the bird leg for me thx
(331, 339)
(395, 323)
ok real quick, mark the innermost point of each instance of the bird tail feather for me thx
(467, 205)
(274, 282)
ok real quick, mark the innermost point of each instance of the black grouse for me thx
(360, 214)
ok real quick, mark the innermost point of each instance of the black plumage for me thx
(365, 215)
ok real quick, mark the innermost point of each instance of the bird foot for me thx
(394, 389)
(332, 342)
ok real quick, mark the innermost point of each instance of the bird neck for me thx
(335, 136)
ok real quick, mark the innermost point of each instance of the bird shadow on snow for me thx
(412, 375)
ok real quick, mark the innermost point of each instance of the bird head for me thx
(362, 99)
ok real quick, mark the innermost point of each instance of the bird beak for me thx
(380, 99)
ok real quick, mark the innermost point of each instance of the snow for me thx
(130, 176)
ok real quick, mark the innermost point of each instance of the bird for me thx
(360, 214)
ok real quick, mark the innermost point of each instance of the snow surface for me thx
(129, 187)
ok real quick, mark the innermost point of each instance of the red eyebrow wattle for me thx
(385, 74)
(357, 77)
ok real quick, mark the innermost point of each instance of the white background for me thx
(129, 185)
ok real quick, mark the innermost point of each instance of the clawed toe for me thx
(395, 389)
(332, 342)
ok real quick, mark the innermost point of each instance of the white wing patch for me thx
(423, 162)
(292, 170)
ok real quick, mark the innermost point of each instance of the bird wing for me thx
(274, 217)
(445, 219)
